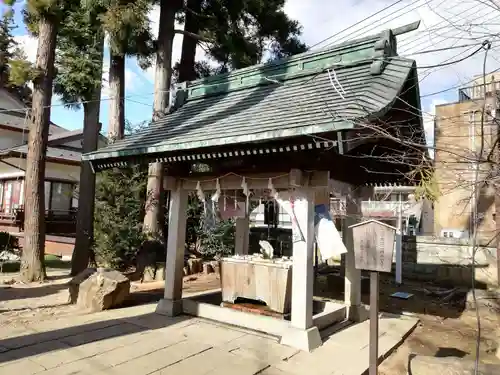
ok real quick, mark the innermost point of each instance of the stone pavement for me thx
(136, 341)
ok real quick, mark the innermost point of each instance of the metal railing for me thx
(368, 207)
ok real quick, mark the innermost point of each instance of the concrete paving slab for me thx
(47, 354)
(148, 344)
(108, 335)
(48, 332)
(81, 367)
(144, 345)
(156, 321)
(239, 366)
(158, 360)
(9, 332)
(271, 370)
(75, 324)
(199, 364)
(352, 357)
(213, 334)
(259, 348)
(24, 367)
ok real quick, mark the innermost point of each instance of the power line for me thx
(364, 30)
(363, 20)
(422, 52)
(407, 42)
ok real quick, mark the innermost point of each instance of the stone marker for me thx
(148, 274)
(207, 268)
(160, 271)
(103, 290)
(423, 365)
(74, 283)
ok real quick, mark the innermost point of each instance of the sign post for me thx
(373, 251)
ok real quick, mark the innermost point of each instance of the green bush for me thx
(217, 240)
(120, 196)
(119, 213)
(210, 241)
(8, 242)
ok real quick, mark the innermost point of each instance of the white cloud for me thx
(29, 44)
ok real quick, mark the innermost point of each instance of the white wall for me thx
(62, 171)
(10, 138)
(52, 170)
(7, 171)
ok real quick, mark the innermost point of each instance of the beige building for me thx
(466, 186)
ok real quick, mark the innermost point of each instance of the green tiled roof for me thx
(311, 93)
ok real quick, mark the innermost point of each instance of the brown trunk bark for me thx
(116, 129)
(32, 262)
(188, 55)
(153, 218)
(83, 252)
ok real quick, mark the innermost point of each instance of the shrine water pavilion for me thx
(319, 124)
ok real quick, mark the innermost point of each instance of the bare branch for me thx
(189, 10)
(194, 36)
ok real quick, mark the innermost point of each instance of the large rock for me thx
(103, 290)
(74, 283)
(423, 365)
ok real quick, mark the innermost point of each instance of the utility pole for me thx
(399, 242)
(496, 142)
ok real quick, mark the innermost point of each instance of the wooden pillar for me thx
(352, 276)
(302, 333)
(303, 260)
(242, 233)
(171, 304)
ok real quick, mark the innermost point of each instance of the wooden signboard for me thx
(373, 251)
(373, 245)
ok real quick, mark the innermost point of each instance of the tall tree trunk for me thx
(32, 262)
(83, 252)
(116, 129)
(188, 55)
(154, 216)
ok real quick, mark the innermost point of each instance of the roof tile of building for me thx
(311, 93)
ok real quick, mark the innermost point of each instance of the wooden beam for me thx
(281, 180)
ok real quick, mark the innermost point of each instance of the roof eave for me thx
(217, 142)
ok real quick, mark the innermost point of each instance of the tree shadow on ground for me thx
(50, 306)
(83, 334)
(12, 293)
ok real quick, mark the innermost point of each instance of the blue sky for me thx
(139, 88)
(444, 24)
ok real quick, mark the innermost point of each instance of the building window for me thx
(10, 195)
(58, 196)
(61, 197)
